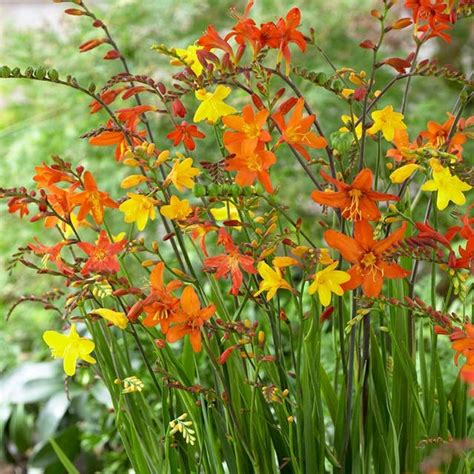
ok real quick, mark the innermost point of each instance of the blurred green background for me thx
(39, 120)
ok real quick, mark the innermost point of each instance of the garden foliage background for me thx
(37, 121)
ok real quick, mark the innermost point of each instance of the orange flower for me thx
(92, 200)
(283, 33)
(367, 256)
(185, 133)
(356, 201)
(403, 147)
(103, 256)
(190, 319)
(297, 133)
(47, 175)
(463, 344)
(253, 166)
(248, 130)
(160, 306)
(230, 262)
(110, 137)
(61, 201)
(437, 134)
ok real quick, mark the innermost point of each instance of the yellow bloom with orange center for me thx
(138, 208)
(176, 209)
(449, 187)
(387, 121)
(212, 106)
(328, 281)
(182, 174)
(272, 280)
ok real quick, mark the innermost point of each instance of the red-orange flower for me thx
(185, 133)
(190, 319)
(230, 263)
(368, 257)
(107, 97)
(248, 130)
(51, 253)
(283, 33)
(92, 200)
(246, 30)
(212, 40)
(297, 132)
(356, 201)
(253, 166)
(103, 256)
(160, 306)
(18, 204)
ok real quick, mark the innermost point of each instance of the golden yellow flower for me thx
(176, 209)
(138, 208)
(212, 106)
(182, 174)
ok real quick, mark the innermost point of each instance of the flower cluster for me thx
(189, 256)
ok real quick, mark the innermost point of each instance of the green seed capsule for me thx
(5, 71)
(53, 74)
(199, 190)
(213, 190)
(40, 73)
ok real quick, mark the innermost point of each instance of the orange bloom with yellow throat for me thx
(369, 257)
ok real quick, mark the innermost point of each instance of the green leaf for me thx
(68, 465)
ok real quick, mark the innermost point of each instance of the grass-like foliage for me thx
(234, 332)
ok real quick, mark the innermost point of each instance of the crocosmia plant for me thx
(233, 334)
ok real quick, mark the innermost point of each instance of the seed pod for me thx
(53, 74)
(40, 73)
(5, 71)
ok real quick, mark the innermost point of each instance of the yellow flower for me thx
(325, 257)
(328, 281)
(212, 106)
(189, 57)
(115, 317)
(228, 212)
(70, 348)
(347, 119)
(133, 180)
(182, 174)
(138, 208)
(176, 209)
(387, 121)
(449, 187)
(403, 173)
(272, 280)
